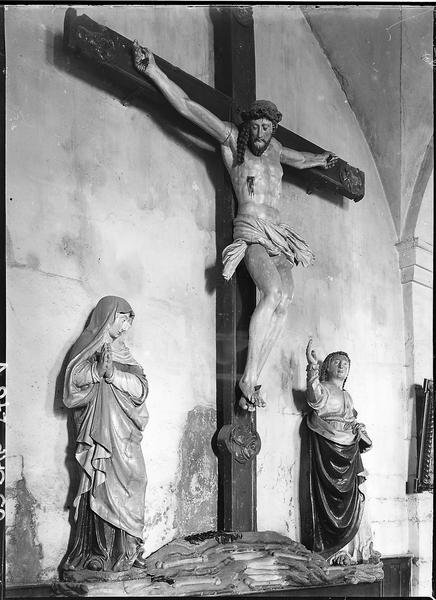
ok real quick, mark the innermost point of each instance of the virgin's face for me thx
(339, 367)
(122, 322)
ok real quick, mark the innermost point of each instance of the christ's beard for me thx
(258, 148)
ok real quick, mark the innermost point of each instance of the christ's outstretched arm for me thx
(307, 160)
(145, 63)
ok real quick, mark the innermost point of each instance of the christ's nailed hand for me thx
(330, 160)
(144, 59)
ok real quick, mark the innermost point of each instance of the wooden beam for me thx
(114, 53)
(238, 441)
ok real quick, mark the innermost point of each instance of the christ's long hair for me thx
(260, 109)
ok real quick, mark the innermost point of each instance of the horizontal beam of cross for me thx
(114, 52)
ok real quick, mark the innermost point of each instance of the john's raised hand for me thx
(311, 356)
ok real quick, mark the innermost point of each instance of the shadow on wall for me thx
(70, 449)
(175, 128)
(299, 397)
(304, 487)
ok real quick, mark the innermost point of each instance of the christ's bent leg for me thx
(284, 268)
(268, 281)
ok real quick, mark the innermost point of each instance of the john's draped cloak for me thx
(336, 468)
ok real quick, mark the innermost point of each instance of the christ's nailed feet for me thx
(251, 397)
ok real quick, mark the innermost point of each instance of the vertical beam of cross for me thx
(236, 299)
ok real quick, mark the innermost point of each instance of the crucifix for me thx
(253, 160)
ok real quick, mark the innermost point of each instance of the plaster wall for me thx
(425, 222)
(363, 45)
(382, 57)
(350, 299)
(416, 95)
(102, 199)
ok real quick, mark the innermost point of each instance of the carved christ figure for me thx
(270, 249)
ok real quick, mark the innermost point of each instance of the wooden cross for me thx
(237, 441)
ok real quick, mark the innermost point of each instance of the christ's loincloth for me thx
(276, 239)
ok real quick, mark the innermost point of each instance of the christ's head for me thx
(259, 124)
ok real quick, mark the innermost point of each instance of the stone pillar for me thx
(420, 513)
(416, 267)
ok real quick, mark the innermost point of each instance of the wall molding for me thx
(415, 258)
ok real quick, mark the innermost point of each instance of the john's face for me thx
(123, 321)
(261, 131)
(339, 367)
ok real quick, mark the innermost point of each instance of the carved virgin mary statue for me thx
(107, 389)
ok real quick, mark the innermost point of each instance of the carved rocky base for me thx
(221, 563)
(86, 575)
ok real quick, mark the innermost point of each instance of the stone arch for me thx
(421, 182)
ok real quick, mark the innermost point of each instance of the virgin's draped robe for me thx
(336, 468)
(110, 417)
